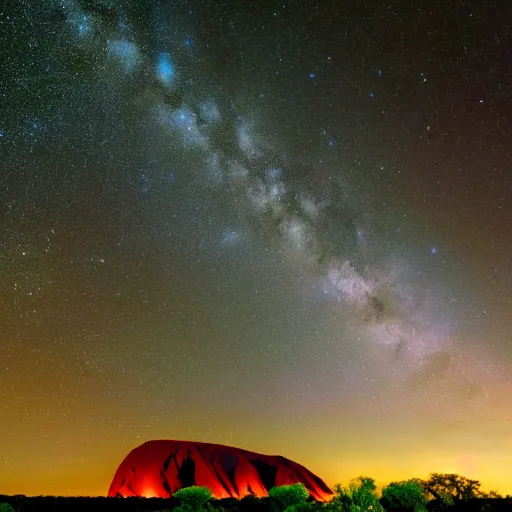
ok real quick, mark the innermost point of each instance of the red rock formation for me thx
(160, 468)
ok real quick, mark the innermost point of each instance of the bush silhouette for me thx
(449, 488)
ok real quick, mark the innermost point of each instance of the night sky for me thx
(281, 226)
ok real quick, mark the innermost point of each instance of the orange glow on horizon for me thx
(93, 479)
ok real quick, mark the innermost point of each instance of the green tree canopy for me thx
(406, 494)
(5, 507)
(289, 495)
(193, 498)
(358, 496)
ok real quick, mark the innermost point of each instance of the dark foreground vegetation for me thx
(441, 493)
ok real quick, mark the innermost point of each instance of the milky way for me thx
(252, 171)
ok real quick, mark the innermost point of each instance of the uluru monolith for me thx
(160, 468)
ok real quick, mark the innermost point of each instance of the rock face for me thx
(160, 468)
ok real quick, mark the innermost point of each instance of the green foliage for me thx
(290, 496)
(5, 507)
(406, 494)
(193, 498)
(358, 496)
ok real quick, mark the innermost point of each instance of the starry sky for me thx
(281, 226)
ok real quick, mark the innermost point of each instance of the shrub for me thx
(358, 496)
(407, 494)
(289, 495)
(193, 498)
(5, 507)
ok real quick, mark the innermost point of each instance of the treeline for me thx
(440, 493)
